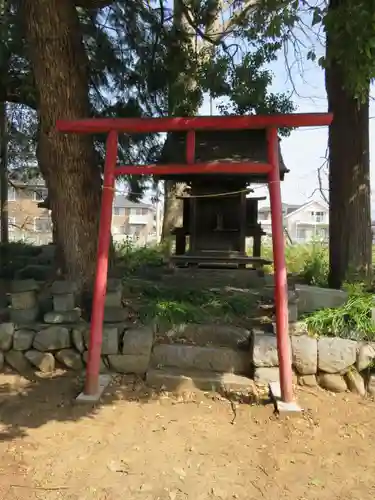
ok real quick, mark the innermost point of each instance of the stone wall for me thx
(333, 363)
(34, 338)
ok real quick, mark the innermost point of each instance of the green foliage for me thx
(19, 254)
(348, 24)
(176, 306)
(310, 262)
(352, 320)
(132, 258)
(350, 28)
(144, 63)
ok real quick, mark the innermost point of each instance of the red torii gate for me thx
(112, 127)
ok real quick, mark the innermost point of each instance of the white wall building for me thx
(303, 223)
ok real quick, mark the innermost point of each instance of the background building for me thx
(139, 222)
(303, 223)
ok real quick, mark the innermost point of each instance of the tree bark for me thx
(349, 178)
(172, 216)
(67, 161)
(4, 180)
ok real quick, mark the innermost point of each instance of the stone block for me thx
(371, 385)
(174, 380)
(70, 359)
(115, 314)
(19, 286)
(265, 350)
(23, 339)
(64, 302)
(298, 328)
(313, 298)
(17, 361)
(206, 334)
(103, 382)
(332, 382)
(103, 367)
(35, 272)
(62, 287)
(216, 359)
(110, 343)
(305, 354)
(1, 360)
(52, 338)
(355, 382)
(336, 355)
(24, 300)
(365, 356)
(114, 285)
(113, 299)
(138, 341)
(24, 316)
(6, 336)
(79, 334)
(307, 380)
(264, 376)
(44, 361)
(129, 363)
(54, 318)
(292, 312)
(4, 314)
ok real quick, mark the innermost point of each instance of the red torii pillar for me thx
(156, 125)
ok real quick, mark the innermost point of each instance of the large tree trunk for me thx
(67, 161)
(349, 178)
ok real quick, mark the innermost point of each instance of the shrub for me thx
(133, 258)
(352, 320)
(310, 262)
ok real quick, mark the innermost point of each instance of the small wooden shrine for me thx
(217, 214)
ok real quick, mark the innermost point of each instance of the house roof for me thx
(221, 145)
(286, 207)
(292, 209)
(121, 201)
(306, 205)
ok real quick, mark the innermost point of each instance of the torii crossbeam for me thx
(112, 127)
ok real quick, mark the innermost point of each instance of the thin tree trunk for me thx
(4, 179)
(67, 161)
(349, 178)
(172, 216)
(172, 211)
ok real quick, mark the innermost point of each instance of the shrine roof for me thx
(222, 145)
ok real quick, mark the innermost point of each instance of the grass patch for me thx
(132, 258)
(350, 321)
(175, 306)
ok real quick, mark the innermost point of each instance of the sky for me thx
(304, 151)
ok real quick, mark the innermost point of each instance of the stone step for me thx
(175, 380)
(210, 359)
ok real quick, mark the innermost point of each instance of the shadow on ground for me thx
(31, 401)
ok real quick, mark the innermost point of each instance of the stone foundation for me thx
(333, 363)
(211, 354)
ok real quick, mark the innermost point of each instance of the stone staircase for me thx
(204, 357)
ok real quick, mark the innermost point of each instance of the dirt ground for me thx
(142, 447)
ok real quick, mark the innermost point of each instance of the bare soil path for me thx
(138, 447)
